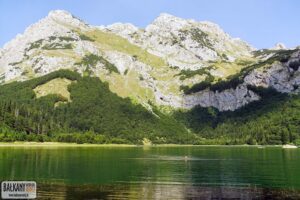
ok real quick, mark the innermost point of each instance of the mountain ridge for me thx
(173, 62)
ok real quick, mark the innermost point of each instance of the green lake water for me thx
(208, 172)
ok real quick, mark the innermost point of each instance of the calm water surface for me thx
(208, 172)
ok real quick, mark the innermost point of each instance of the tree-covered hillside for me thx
(275, 119)
(93, 114)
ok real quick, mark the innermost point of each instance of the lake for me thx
(187, 172)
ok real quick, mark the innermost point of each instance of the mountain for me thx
(184, 74)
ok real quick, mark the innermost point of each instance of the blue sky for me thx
(262, 23)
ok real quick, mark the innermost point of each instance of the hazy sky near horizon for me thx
(262, 23)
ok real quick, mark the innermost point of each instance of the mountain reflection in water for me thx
(163, 191)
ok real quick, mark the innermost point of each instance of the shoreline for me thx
(59, 144)
(63, 144)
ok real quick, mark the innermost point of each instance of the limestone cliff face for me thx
(230, 99)
(283, 77)
(151, 65)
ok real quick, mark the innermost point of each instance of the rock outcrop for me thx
(283, 77)
(279, 46)
(230, 99)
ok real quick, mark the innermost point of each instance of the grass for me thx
(35, 45)
(186, 74)
(52, 46)
(67, 39)
(232, 76)
(109, 41)
(201, 37)
(64, 53)
(91, 61)
(57, 86)
(128, 86)
(226, 69)
(2, 78)
(15, 63)
(59, 144)
(231, 81)
(164, 74)
(64, 144)
(84, 37)
(55, 46)
(28, 71)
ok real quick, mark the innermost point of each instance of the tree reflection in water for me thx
(162, 191)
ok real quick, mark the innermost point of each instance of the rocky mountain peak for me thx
(166, 22)
(58, 22)
(65, 17)
(167, 18)
(279, 46)
(60, 14)
(123, 29)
